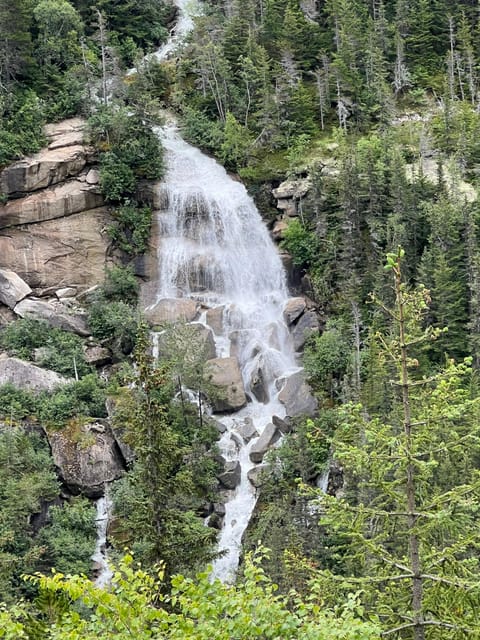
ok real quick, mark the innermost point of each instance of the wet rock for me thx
(219, 508)
(12, 288)
(215, 319)
(59, 201)
(306, 326)
(296, 395)
(27, 376)
(59, 253)
(257, 475)
(225, 377)
(293, 309)
(215, 521)
(247, 430)
(56, 316)
(221, 428)
(285, 425)
(172, 310)
(87, 457)
(258, 385)
(267, 439)
(230, 478)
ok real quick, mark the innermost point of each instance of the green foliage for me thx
(135, 608)
(120, 285)
(159, 502)
(114, 323)
(70, 536)
(131, 230)
(16, 404)
(52, 348)
(82, 399)
(27, 478)
(327, 358)
(300, 243)
(21, 119)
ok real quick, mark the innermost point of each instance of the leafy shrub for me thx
(85, 398)
(21, 125)
(121, 285)
(16, 404)
(131, 230)
(70, 536)
(114, 323)
(61, 351)
(300, 243)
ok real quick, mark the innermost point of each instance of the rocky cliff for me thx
(53, 222)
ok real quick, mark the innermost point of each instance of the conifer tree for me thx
(407, 521)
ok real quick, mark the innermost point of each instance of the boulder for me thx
(69, 251)
(292, 189)
(306, 326)
(56, 315)
(247, 430)
(279, 228)
(6, 315)
(293, 309)
(288, 206)
(97, 356)
(48, 167)
(225, 376)
(230, 478)
(27, 376)
(285, 425)
(215, 319)
(172, 310)
(12, 288)
(92, 177)
(66, 292)
(87, 457)
(257, 475)
(195, 341)
(258, 385)
(296, 395)
(267, 439)
(59, 201)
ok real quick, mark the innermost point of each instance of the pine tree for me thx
(407, 522)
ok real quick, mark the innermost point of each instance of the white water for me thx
(100, 556)
(215, 248)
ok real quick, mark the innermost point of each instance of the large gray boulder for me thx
(12, 288)
(257, 475)
(172, 310)
(224, 375)
(87, 457)
(306, 326)
(27, 376)
(293, 309)
(296, 395)
(258, 384)
(267, 439)
(56, 315)
(230, 477)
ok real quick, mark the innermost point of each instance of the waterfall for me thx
(100, 556)
(214, 248)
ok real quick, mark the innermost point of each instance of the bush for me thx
(300, 243)
(121, 285)
(115, 324)
(131, 230)
(85, 398)
(16, 404)
(61, 351)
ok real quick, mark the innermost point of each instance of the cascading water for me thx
(100, 556)
(214, 248)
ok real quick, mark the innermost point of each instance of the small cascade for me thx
(100, 555)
